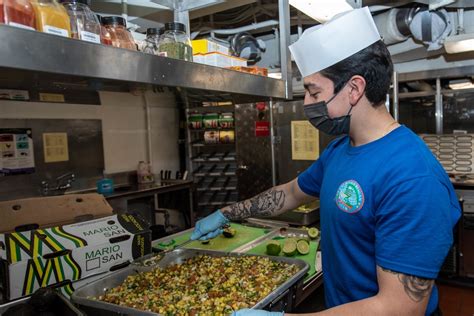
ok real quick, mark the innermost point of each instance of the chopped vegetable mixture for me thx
(202, 285)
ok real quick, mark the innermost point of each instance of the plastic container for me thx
(144, 173)
(117, 28)
(84, 23)
(211, 120)
(152, 40)
(175, 43)
(105, 37)
(105, 186)
(19, 13)
(51, 17)
(226, 120)
(195, 121)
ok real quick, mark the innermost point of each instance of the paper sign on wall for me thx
(304, 141)
(16, 151)
(55, 147)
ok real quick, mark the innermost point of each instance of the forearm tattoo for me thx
(264, 204)
(415, 287)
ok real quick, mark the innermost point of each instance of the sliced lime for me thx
(313, 232)
(289, 248)
(303, 247)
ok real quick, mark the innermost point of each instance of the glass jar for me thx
(84, 23)
(105, 37)
(152, 40)
(117, 28)
(51, 17)
(19, 13)
(175, 43)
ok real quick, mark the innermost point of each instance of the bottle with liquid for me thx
(84, 23)
(17, 13)
(51, 17)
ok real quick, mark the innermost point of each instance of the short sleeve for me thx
(310, 180)
(414, 227)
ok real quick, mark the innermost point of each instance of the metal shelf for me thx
(214, 157)
(217, 184)
(56, 60)
(212, 109)
(211, 129)
(202, 144)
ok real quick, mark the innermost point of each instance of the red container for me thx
(17, 13)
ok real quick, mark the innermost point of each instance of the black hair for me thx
(373, 63)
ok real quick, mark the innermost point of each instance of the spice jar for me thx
(152, 40)
(19, 13)
(175, 43)
(84, 24)
(119, 35)
(105, 37)
(51, 17)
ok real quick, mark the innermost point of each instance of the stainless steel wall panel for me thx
(254, 166)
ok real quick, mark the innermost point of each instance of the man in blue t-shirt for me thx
(387, 206)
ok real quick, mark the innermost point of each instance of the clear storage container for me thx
(84, 23)
(105, 37)
(51, 17)
(152, 40)
(117, 28)
(175, 43)
(19, 13)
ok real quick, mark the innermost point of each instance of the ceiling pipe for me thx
(247, 28)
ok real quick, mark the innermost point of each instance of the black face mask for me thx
(318, 116)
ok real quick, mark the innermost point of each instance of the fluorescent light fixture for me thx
(459, 43)
(461, 84)
(321, 10)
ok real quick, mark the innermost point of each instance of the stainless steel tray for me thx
(83, 296)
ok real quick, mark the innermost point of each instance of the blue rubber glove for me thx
(210, 226)
(256, 312)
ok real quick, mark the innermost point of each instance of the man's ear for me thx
(357, 86)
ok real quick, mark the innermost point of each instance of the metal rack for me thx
(31, 58)
(213, 166)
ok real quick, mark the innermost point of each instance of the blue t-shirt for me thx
(387, 203)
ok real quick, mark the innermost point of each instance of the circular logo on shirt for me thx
(350, 197)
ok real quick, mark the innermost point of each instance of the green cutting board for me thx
(310, 258)
(243, 235)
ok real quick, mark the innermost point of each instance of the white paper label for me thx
(90, 37)
(163, 54)
(26, 27)
(55, 30)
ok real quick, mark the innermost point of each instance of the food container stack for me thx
(215, 53)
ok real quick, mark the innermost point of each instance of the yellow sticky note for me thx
(55, 147)
(304, 141)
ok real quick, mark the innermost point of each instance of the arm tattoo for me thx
(415, 287)
(264, 204)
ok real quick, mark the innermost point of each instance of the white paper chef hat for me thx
(324, 45)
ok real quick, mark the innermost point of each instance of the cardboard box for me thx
(52, 211)
(71, 286)
(204, 46)
(44, 256)
(219, 60)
